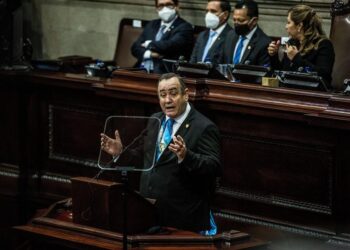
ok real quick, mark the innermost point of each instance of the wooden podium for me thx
(94, 221)
(98, 203)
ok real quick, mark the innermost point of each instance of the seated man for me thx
(209, 42)
(247, 43)
(168, 37)
(187, 160)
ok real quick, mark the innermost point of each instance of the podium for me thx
(93, 222)
(98, 203)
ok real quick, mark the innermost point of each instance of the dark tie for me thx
(167, 130)
(237, 55)
(205, 57)
(160, 33)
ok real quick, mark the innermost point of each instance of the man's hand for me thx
(111, 146)
(178, 147)
(156, 55)
(146, 43)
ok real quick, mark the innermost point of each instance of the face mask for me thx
(167, 14)
(242, 29)
(212, 21)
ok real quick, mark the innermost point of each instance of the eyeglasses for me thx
(162, 5)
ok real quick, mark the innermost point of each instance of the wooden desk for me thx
(284, 151)
(55, 230)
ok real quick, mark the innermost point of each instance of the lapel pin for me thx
(187, 125)
(249, 47)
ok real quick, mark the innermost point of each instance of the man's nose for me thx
(168, 98)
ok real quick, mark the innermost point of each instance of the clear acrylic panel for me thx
(139, 136)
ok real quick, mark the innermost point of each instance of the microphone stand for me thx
(125, 181)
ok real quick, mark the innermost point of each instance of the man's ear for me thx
(226, 15)
(177, 8)
(254, 20)
(186, 94)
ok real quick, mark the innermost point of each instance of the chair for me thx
(340, 36)
(129, 31)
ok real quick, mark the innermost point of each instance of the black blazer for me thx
(183, 190)
(177, 41)
(320, 60)
(255, 53)
(214, 51)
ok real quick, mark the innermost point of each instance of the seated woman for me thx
(309, 49)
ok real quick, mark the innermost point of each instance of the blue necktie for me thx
(208, 46)
(237, 55)
(160, 33)
(167, 131)
(213, 228)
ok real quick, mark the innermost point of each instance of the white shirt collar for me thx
(219, 30)
(168, 25)
(180, 119)
(251, 33)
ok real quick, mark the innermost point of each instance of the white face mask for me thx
(212, 21)
(167, 14)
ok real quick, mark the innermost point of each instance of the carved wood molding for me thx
(63, 157)
(243, 218)
(276, 201)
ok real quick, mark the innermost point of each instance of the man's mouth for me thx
(170, 108)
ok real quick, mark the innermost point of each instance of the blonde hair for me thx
(312, 26)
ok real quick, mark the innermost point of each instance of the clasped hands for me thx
(290, 50)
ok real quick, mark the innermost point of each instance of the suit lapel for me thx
(203, 44)
(170, 29)
(156, 29)
(182, 131)
(218, 40)
(250, 46)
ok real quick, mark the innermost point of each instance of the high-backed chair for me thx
(340, 36)
(129, 31)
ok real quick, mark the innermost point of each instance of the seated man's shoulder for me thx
(183, 23)
(263, 36)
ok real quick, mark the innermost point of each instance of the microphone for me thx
(115, 158)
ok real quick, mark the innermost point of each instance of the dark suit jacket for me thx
(214, 51)
(183, 190)
(177, 41)
(255, 53)
(320, 60)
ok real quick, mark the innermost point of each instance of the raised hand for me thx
(273, 48)
(178, 147)
(111, 146)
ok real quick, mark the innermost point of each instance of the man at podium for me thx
(187, 161)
